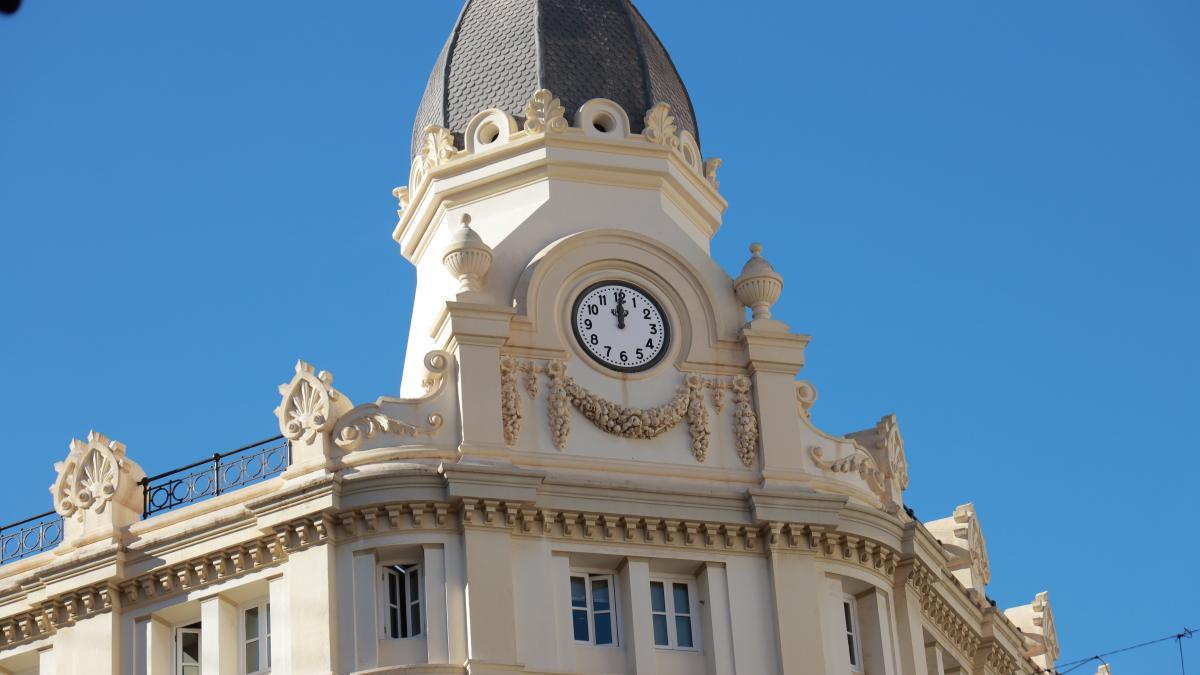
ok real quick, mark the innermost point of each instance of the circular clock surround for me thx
(630, 343)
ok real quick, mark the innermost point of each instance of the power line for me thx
(1073, 665)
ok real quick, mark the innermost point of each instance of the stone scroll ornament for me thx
(88, 479)
(307, 406)
(687, 406)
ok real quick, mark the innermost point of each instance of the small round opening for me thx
(488, 133)
(604, 123)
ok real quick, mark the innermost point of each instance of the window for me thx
(593, 609)
(403, 588)
(850, 612)
(256, 639)
(187, 650)
(671, 612)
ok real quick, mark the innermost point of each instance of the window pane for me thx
(579, 620)
(681, 599)
(414, 584)
(251, 623)
(604, 634)
(415, 619)
(853, 655)
(252, 656)
(190, 643)
(190, 670)
(578, 592)
(658, 597)
(660, 630)
(393, 622)
(683, 630)
(403, 622)
(600, 601)
(393, 587)
(849, 621)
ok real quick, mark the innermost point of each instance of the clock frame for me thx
(610, 364)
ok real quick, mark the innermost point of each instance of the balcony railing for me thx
(215, 476)
(32, 535)
(189, 484)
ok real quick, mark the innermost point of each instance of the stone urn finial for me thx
(467, 257)
(759, 285)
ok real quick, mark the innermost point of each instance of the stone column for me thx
(638, 629)
(220, 647)
(914, 658)
(796, 586)
(281, 624)
(718, 628)
(436, 625)
(155, 641)
(474, 333)
(313, 609)
(90, 645)
(934, 660)
(46, 662)
(367, 631)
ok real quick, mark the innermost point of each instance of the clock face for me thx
(621, 326)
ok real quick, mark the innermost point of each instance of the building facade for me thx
(601, 461)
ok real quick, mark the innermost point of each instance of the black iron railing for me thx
(214, 476)
(32, 535)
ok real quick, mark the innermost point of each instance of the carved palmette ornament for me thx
(307, 408)
(437, 148)
(544, 113)
(660, 126)
(90, 476)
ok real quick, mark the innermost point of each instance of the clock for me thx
(621, 326)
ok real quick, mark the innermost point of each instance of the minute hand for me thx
(620, 312)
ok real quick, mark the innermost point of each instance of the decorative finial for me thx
(467, 257)
(759, 285)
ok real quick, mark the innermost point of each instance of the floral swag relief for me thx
(89, 478)
(688, 405)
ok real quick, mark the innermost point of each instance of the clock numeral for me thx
(587, 324)
(654, 329)
(607, 350)
(639, 354)
(649, 344)
(594, 340)
(604, 299)
(593, 310)
(634, 300)
(624, 356)
(646, 313)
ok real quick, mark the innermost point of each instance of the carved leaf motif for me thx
(865, 466)
(437, 148)
(544, 113)
(89, 478)
(660, 126)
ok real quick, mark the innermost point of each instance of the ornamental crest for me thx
(88, 479)
(307, 409)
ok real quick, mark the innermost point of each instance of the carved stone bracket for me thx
(369, 420)
(862, 463)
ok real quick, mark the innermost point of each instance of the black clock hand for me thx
(620, 312)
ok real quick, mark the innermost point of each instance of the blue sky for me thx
(986, 215)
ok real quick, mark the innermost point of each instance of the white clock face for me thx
(621, 326)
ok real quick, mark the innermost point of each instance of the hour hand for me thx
(620, 312)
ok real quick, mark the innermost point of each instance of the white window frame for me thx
(849, 608)
(177, 632)
(613, 611)
(264, 637)
(670, 613)
(386, 605)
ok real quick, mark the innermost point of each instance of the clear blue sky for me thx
(986, 215)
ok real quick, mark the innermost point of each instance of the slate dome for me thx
(502, 51)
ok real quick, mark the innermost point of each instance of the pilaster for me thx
(639, 631)
(219, 648)
(313, 640)
(474, 333)
(718, 629)
(796, 586)
(776, 357)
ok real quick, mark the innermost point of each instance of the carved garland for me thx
(688, 405)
